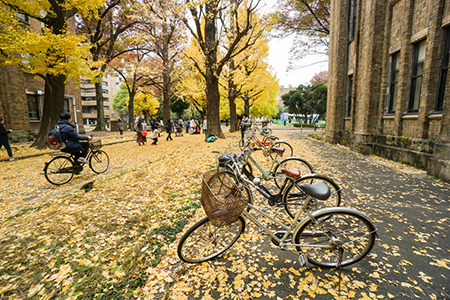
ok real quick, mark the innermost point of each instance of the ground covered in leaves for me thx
(118, 240)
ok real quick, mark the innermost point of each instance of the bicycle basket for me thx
(221, 199)
(95, 145)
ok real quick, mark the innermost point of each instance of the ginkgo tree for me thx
(104, 35)
(161, 27)
(211, 21)
(53, 53)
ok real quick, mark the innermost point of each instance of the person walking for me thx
(205, 126)
(155, 131)
(244, 125)
(120, 127)
(4, 139)
(187, 125)
(72, 139)
(192, 126)
(169, 129)
(140, 127)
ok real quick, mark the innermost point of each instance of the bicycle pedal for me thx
(302, 259)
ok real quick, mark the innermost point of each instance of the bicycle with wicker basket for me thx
(329, 237)
(61, 168)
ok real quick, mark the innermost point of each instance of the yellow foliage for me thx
(145, 102)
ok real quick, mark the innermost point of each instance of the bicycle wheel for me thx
(291, 163)
(288, 151)
(294, 196)
(99, 161)
(204, 241)
(340, 232)
(59, 170)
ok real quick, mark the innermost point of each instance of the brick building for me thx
(22, 97)
(389, 93)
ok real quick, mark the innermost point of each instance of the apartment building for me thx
(110, 85)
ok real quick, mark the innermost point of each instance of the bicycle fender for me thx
(332, 210)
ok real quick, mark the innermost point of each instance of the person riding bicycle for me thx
(71, 138)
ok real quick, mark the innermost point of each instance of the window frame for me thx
(352, 8)
(443, 72)
(348, 106)
(393, 82)
(34, 114)
(414, 102)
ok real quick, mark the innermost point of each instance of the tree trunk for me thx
(100, 110)
(247, 105)
(232, 104)
(131, 111)
(53, 107)
(213, 102)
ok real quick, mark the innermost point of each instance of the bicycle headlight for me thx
(224, 160)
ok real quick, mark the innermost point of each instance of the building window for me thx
(416, 76)
(88, 99)
(393, 84)
(66, 105)
(104, 83)
(33, 107)
(443, 72)
(88, 90)
(351, 19)
(349, 97)
(105, 91)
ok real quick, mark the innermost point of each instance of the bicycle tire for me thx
(288, 151)
(59, 170)
(99, 161)
(291, 163)
(204, 241)
(349, 229)
(294, 194)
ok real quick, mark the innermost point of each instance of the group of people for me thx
(155, 126)
(72, 138)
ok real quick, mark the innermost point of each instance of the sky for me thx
(279, 59)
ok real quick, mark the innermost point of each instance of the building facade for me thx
(388, 89)
(22, 97)
(110, 85)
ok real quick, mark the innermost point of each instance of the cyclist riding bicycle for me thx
(71, 138)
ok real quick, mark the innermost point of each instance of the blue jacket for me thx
(70, 136)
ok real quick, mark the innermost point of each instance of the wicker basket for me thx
(222, 200)
(95, 145)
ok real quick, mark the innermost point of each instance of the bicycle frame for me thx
(267, 175)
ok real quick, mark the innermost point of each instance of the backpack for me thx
(210, 139)
(55, 139)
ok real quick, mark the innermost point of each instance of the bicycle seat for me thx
(294, 173)
(277, 150)
(272, 137)
(318, 190)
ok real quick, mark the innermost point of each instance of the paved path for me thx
(411, 258)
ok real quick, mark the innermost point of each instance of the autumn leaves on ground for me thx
(118, 240)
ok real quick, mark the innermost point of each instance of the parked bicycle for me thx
(238, 165)
(267, 144)
(61, 169)
(330, 237)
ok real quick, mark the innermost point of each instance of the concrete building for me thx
(110, 86)
(22, 97)
(388, 89)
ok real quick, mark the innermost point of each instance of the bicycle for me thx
(238, 165)
(330, 237)
(268, 144)
(61, 169)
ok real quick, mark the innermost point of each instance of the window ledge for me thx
(389, 117)
(437, 116)
(410, 117)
